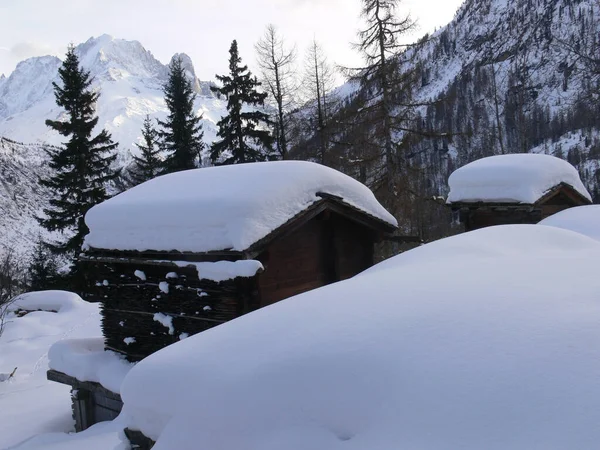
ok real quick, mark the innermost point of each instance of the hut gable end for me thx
(328, 247)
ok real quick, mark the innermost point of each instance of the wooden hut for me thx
(514, 189)
(188, 251)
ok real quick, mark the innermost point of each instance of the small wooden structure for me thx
(327, 242)
(475, 215)
(514, 189)
(92, 403)
(154, 298)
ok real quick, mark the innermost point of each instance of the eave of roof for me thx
(561, 187)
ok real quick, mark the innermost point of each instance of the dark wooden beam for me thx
(404, 239)
(63, 378)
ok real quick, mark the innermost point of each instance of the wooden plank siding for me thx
(328, 248)
(129, 304)
(293, 264)
(91, 402)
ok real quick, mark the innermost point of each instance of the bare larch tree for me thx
(276, 61)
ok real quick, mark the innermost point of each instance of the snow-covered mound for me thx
(86, 360)
(219, 208)
(50, 301)
(102, 436)
(30, 403)
(517, 178)
(442, 347)
(583, 219)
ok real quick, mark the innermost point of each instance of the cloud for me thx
(23, 50)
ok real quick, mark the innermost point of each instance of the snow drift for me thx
(49, 301)
(472, 342)
(518, 178)
(86, 360)
(220, 208)
(30, 403)
(583, 219)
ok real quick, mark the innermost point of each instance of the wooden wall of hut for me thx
(129, 304)
(557, 204)
(326, 249)
(484, 217)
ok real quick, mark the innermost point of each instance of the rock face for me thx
(21, 197)
(186, 63)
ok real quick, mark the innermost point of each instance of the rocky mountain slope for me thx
(21, 196)
(504, 76)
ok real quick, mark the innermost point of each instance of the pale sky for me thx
(203, 29)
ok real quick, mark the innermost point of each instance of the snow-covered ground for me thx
(480, 341)
(29, 404)
(584, 220)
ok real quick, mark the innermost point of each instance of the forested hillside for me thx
(502, 77)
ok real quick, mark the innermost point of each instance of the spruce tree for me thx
(81, 166)
(149, 164)
(43, 270)
(181, 134)
(240, 131)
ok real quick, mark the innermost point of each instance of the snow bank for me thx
(102, 436)
(86, 360)
(473, 342)
(31, 404)
(583, 219)
(53, 301)
(518, 178)
(217, 208)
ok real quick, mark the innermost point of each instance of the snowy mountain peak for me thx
(130, 81)
(30, 82)
(113, 59)
(188, 65)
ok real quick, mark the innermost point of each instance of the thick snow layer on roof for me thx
(480, 341)
(583, 219)
(518, 178)
(86, 360)
(218, 208)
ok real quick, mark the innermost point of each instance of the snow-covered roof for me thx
(517, 178)
(582, 219)
(408, 354)
(220, 208)
(86, 360)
